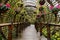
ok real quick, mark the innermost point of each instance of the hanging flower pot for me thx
(42, 2)
(58, 6)
(4, 8)
(55, 10)
(51, 7)
(8, 5)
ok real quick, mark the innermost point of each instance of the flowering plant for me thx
(4, 7)
(55, 9)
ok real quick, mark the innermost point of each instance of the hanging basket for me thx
(55, 10)
(4, 8)
(42, 2)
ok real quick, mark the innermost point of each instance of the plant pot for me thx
(42, 2)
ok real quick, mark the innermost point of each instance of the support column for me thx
(10, 27)
(40, 29)
(48, 32)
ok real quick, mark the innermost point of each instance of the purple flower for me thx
(50, 7)
(58, 6)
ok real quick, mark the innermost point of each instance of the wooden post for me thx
(17, 30)
(40, 29)
(55, 18)
(1, 21)
(48, 32)
(10, 27)
(0, 32)
(36, 26)
(55, 21)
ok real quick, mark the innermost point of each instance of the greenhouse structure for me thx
(29, 19)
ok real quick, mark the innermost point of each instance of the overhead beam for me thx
(50, 2)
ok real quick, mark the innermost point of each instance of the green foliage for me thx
(55, 36)
(24, 16)
(55, 10)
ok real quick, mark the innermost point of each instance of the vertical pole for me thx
(17, 31)
(36, 26)
(55, 18)
(48, 32)
(0, 33)
(40, 29)
(0, 27)
(55, 21)
(1, 20)
(16, 25)
(10, 27)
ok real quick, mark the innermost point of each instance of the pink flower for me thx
(8, 5)
(58, 6)
(0, 5)
(51, 7)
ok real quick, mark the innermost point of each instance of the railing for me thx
(47, 24)
(10, 27)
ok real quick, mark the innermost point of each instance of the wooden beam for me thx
(10, 27)
(50, 2)
(48, 32)
(41, 25)
(45, 23)
(7, 24)
(52, 24)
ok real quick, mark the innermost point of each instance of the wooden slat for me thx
(41, 25)
(52, 24)
(10, 27)
(48, 32)
(7, 24)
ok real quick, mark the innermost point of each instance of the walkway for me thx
(30, 34)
